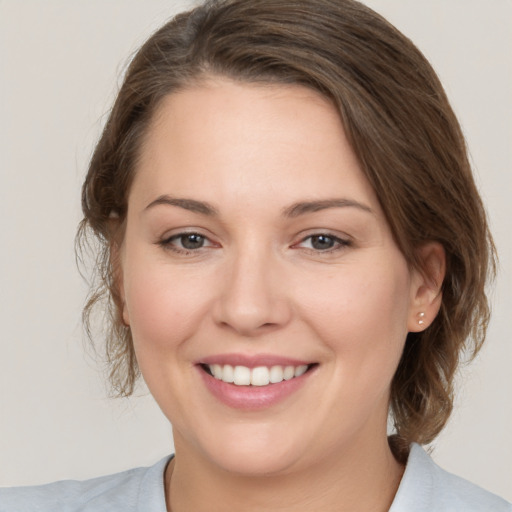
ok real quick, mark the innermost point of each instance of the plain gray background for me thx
(60, 64)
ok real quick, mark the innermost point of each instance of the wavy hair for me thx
(400, 125)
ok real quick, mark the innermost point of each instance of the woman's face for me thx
(256, 249)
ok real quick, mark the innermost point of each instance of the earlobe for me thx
(426, 294)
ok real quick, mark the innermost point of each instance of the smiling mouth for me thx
(258, 376)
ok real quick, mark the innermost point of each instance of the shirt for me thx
(425, 487)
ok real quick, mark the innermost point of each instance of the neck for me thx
(365, 478)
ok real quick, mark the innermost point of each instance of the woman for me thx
(293, 248)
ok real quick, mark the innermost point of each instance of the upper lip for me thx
(253, 361)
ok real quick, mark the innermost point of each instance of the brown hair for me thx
(400, 125)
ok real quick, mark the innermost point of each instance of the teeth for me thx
(276, 374)
(228, 373)
(289, 372)
(242, 376)
(259, 376)
(216, 369)
(301, 370)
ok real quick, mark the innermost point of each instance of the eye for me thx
(190, 241)
(186, 242)
(323, 242)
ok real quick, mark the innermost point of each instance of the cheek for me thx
(163, 307)
(165, 311)
(361, 314)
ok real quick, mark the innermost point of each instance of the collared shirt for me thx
(425, 487)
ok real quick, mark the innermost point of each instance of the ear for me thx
(426, 283)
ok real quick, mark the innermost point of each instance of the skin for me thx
(259, 285)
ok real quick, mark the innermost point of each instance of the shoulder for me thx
(129, 491)
(426, 487)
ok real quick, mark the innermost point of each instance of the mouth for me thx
(258, 376)
(254, 382)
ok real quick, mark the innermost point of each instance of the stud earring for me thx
(421, 318)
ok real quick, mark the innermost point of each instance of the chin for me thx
(252, 450)
(254, 463)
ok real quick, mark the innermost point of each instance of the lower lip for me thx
(252, 397)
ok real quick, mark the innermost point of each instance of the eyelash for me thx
(338, 243)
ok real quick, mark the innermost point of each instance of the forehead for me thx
(275, 142)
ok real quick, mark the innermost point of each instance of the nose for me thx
(252, 297)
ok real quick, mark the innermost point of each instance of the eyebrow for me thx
(192, 205)
(295, 210)
(303, 207)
